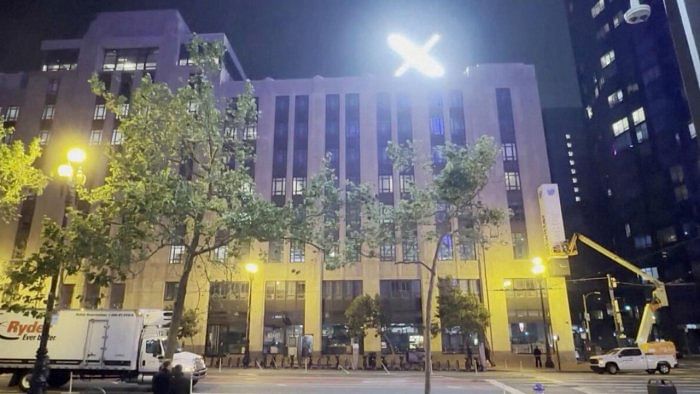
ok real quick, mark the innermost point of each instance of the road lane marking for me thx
(504, 387)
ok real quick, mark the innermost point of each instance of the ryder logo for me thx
(14, 329)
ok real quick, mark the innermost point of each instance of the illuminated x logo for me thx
(415, 56)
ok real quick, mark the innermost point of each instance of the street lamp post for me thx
(73, 174)
(252, 268)
(586, 316)
(538, 268)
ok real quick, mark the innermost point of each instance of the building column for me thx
(370, 286)
(257, 312)
(312, 306)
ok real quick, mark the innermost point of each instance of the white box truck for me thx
(92, 344)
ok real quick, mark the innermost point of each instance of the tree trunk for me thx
(428, 317)
(179, 307)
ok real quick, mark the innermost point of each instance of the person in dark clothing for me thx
(538, 357)
(179, 384)
(161, 380)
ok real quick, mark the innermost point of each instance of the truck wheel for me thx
(25, 380)
(58, 378)
(664, 368)
(612, 368)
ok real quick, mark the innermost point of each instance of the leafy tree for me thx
(458, 309)
(18, 176)
(181, 176)
(189, 325)
(449, 205)
(360, 315)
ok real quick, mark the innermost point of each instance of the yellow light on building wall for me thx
(251, 267)
(537, 266)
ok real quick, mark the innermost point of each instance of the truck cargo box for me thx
(96, 339)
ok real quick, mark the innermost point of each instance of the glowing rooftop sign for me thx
(415, 56)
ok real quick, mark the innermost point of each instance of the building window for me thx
(52, 87)
(410, 249)
(574, 180)
(445, 250)
(130, 59)
(519, 245)
(512, 180)
(406, 182)
(95, 137)
(642, 133)
(170, 292)
(620, 126)
(607, 58)
(250, 133)
(296, 252)
(219, 254)
(572, 162)
(386, 184)
(509, 152)
(615, 98)
(100, 112)
(123, 111)
(44, 136)
(116, 295)
(569, 145)
(597, 8)
(573, 171)
(677, 175)
(192, 107)
(642, 241)
(387, 252)
(274, 251)
(12, 113)
(570, 153)
(48, 112)
(638, 116)
(117, 137)
(298, 185)
(691, 130)
(577, 199)
(176, 254)
(467, 250)
(667, 235)
(60, 60)
(576, 189)
(651, 271)
(279, 186)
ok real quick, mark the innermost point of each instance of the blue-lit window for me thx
(445, 249)
(437, 125)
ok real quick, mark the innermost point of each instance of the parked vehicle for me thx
(633, 359)
(123, 344)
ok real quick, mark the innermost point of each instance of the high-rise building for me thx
(351, 119)
(644, 145)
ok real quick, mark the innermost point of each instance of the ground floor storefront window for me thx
(337, 296)
(284, 316)
(453, 341)
(227, 318)
(401, 311)
(525, 320)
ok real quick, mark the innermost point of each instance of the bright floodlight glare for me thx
(65, 171)
(415, 56)
(538, 269)
(251, 267)
(537, 260)
(76, 155)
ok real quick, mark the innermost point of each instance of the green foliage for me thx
(361, 314)
(189, 325)
(460, 309)
(18, 176)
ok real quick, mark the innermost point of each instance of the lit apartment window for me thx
(100, 112)
(569, 145)
(250, 133)
(597, 8)
(638, 116)
(628, 230)
(577, 198)
(519, 245)
(615, 98)
(576, 189)
(219, 254)
(607, 58)
(574, 180)
(387, 252)
(681, 193)
(572, 162)
(296, 252)
(117, 137)
(589, 112)
(279, 186)
(652, 271)
(603, 31)
(570, 153)
(620, 126)
(567, 136)
(123, 110)
(642, 133)
(298, 185)
(406, 181)
(176, 254)
(12, 113)
(386, 184)
(44, 136)
(512, 181)
(573, 171)
(48, 112)
(95, 137)
(642, 241)
(691, 130)
(509, 151)
(617, 19)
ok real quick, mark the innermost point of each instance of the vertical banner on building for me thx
(552, 220)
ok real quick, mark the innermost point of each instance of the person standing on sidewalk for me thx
(161, 381)
(538, 357)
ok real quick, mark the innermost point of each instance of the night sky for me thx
(303, 38)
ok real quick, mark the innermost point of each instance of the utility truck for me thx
(633, 359)
(651, 352)
(92, 344)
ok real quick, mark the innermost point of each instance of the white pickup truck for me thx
(633, 359)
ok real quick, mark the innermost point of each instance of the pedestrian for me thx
(470, 358)
(179, 384)
(538, 357)
(161, 380)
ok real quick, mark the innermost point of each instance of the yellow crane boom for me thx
(659, 297)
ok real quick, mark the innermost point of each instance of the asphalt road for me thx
(337, 382)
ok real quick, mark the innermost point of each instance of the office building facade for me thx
(301, 121)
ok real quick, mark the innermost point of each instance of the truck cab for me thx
(633, 359)
(152, 355)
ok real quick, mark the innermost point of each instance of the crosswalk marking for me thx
(504, 387)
